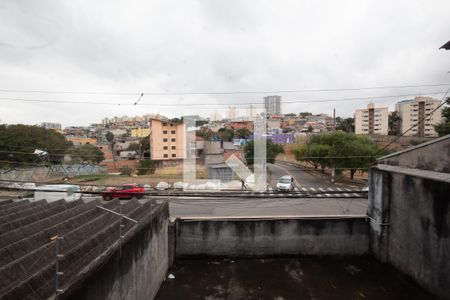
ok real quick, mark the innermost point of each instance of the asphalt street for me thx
(306, 178)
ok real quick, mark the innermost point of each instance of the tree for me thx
(305, 114)
(272, 150)
(134, 147)
(340, 150)
(109, 137)
(346, 125)
(19, 142)
(86, 154)
(394, 123)
(242, 133)
(145, 145)
(225, 134)
(443, 128)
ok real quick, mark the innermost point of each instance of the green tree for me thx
(394, 122)
(145, 144)
(243, 133)
(272, 150)
(346, 125)
(305, 114)
(225, 134)
(109, 137)
(134, 147)
(443, 128)
(18, 143)
(340, 150)
(86, 154)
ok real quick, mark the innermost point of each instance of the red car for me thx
(126, 191)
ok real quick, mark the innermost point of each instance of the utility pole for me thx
(333, 170)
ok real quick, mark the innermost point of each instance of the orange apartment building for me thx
(167, 140)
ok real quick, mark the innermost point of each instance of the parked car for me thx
(162, 186)
(285, 184)
(126, 191)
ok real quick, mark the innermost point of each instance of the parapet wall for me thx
(272, 237)
(137, 270)
(410, 223)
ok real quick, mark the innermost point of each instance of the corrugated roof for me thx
(27, 254)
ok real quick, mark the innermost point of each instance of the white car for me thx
(162, 186)
(285, 184)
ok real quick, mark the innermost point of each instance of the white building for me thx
(413, 112)
(372, 120)
(50, 125)
(272, 104)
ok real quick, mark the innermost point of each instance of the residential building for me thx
(49, 125)
(274, 125)
(272, 104)
(232, 113)
(414, 111)
(81, 140)
(372, 120)
(140, 132)
(240, 125)
(167, 140)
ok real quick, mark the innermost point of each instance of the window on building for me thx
(165, 148)
(172, 132)
(164, 140)
(166, 155)
(172, 139)
(174, 147)
(164, 131)
(164, 124)
(174, 155)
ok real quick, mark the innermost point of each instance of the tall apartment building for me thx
(232, 113)
(372, 120)
(272, 104)
(414, 111)
(49, 125)
(167, 140)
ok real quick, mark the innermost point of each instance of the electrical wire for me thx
(211, 105)
(223, 92)
(417, 123)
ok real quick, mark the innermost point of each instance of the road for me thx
(277, 205)
(307, 179)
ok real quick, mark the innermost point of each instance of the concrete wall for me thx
(410, 225)
(140, 269)
(433, 156)
(272, 237)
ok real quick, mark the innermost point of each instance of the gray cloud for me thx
(187, 46)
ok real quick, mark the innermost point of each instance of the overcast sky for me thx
(214, 46)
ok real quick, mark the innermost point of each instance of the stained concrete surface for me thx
(289, 278)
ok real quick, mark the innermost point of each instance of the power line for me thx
(417, 123)
(305, 157)
(223, 92)
(211, 105)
